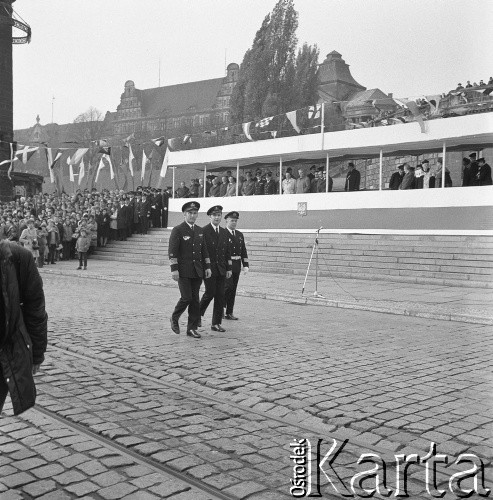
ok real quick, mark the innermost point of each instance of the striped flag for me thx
(130, 160)
(145, 161)
(100, 167)
(52, 161)
(314, 112)
(291, 116)
(164, 166)
(82, 170)
(246, 130)
(264, 122)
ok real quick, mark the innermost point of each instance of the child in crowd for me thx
(82, 246)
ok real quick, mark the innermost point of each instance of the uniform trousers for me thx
(230, 292)
(214, 289)
(189, 291)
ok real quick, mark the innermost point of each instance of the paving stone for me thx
(244, 489)
(117, 461)
(18, 479)
(169, 487)
(202, 471)
(146, 481)
(108, 478)
(141, 495)
(82, 488)
(69, 477)
(39, 488)
(117, 491)
(49, 470)
(92, 468)
(29, 463)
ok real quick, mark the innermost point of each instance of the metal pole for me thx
(280, 174)
(237, 176)
(381, 169)
(308, 269)
(327, 173)
(173, 181)
(443, 163)
(205, 179)
(322, 124)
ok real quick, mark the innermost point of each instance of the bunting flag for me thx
(52, 161)
(314, 112)
(413, 107)
(102, 143)
(164, 166)
(186, 140)
(246, 130)
(172, 144)
(145, 161)
(130, 160)
(264, 122)
(106, 150)
(70, 170)
(126, 141)
(434, 102)
(210, 132)
(25, 153)
(397, 120)
(291, 116)
(77, 156)
(112, 173)
(100, 167)
(273, 133)
(82, 170)
(13, 158)
(159, 141)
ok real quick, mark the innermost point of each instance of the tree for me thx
(271, 79)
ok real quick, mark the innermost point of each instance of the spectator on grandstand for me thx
(418, 177)
(259, 183)
(302, 183)
(270, 186)
(353, 178)
(459, 86)
(483, 176)
(224, 185)
(396, 178)
(439, 174)
(312, 174)
(429, 175)
(468, 86)
(215, 190)
(231, 189)
(194, 189)
(248, 187)
(490, 81)
(408, 179)
(288, 184)
(182, 191)
(469, 171)
(481, 83)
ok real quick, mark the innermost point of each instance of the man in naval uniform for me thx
(217, 242)
(190, 263)
(239, 256)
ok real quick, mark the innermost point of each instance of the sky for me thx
(83, 51)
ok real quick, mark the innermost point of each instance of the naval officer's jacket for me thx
(219, 250)
(238, 250)
(188, 252)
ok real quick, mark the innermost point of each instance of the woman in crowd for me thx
(29, 239)
(53, 240)
(231, 189)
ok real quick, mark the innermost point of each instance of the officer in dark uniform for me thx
(217, 242)
(239, 256)
(190, 263)
(165, 204)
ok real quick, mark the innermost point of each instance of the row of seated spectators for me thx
(475, 172)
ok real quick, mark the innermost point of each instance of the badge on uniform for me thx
(186, 238)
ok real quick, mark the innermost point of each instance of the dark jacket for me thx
(187, 251)
(483, 176)
(352, 180)
(237, 250)
(395, 180)
(218, 249)
(24, 335)
(408, 181)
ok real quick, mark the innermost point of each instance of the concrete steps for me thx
(443, 260)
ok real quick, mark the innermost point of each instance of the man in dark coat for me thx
(145, 213)
(23, 336)
(239, 256)
(156, 209)
(396, 178)
(217, 242)
(352, 178)
(483, 176)
(165, 205)
(190, 263)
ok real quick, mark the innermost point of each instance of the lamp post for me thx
(7, 22)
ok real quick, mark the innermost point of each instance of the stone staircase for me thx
(441, 260)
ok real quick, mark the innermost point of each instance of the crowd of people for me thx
(66, 227)
(475, 172)
(479, 85)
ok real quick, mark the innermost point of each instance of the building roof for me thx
(181, 98)
(361, 98)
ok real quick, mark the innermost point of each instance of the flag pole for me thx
(381, 170)
(237, 176)
(327, 173)
(322, 124)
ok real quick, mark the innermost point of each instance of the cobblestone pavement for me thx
(472, 305)
(224, 409)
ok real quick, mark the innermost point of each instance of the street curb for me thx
(303, 300)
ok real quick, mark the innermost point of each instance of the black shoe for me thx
(174, 325)
(79, 268)
(230, 316)
(194, 333)
(217, 328)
